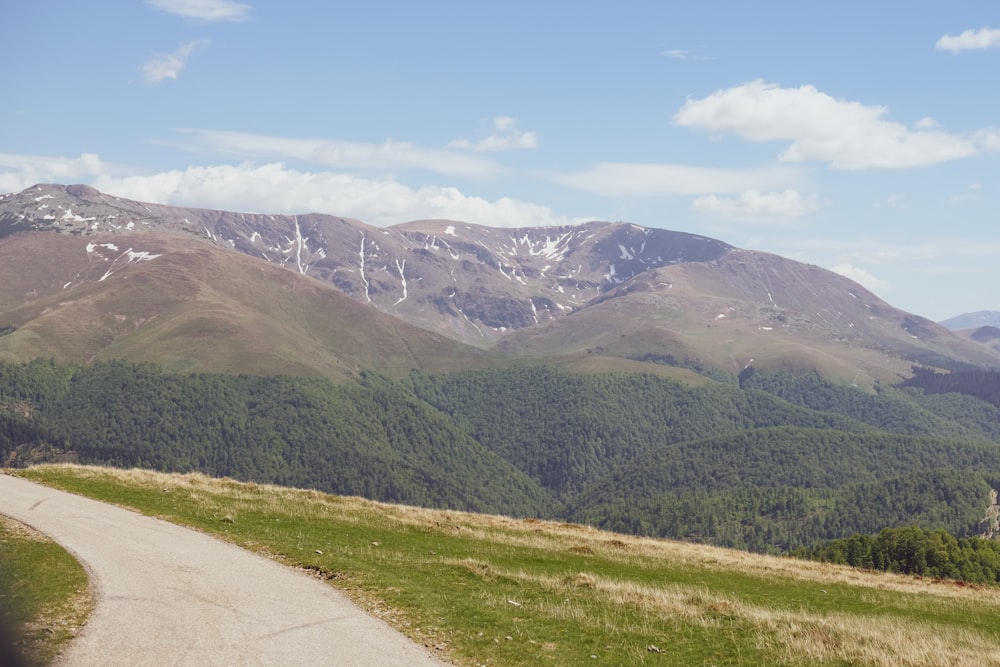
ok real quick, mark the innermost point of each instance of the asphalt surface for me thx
(167, 595)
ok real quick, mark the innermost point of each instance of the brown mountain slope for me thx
(987, 336)
(752, 308)
(192, 306)
(469, 282)
(609, 290)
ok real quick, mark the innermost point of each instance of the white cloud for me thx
(848, 135)
(972, 193)
(27, 170)
(274, 188)
(892, 201)
(683, 54)
(618, 179)
(169, 65)
(505, 137)
(863, 277)
(984, 38)
(205, 10)
(989, 139)
(754, 204)
(388, 155)
(919, 253)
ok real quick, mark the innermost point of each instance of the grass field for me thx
(488, 590)
(44, 594)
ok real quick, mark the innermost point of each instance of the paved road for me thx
(167, 595)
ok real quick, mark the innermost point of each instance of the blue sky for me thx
(862, 137)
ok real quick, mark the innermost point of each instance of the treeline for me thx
(23, 442)
(778, 463)
(983, 384)
(915, 550)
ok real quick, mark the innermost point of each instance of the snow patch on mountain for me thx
(401, 266)
(300, 243)
(140, 255)
(68, 215)
(552, 248)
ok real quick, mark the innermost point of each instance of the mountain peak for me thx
(605, 288)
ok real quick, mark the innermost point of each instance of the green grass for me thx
(44, 592)
(484, 590)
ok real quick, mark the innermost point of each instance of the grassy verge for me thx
(44, 593)
(486, 590)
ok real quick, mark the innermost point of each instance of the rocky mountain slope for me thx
(607, 289)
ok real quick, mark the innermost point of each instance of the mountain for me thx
(981, 318)
(193, 306)
(88, 275)
(982, 328)
(447, 357)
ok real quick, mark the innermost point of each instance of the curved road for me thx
(167, 595)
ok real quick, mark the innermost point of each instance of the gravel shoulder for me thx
(168, 595)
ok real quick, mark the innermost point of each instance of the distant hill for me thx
(981, 318)
(982, 327)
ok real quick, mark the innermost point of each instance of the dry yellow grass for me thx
(20, 531)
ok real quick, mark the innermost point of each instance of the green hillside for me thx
(778, 463)
(733, 466)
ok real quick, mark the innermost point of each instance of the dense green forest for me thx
(371, 438)
(736, 466)
(915, 550)
(768, 462)
(983, 384)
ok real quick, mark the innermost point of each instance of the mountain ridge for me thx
(594, 289)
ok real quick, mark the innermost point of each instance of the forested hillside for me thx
(765, 462)
(983, 384)
(371, 438)
(735, 466)
(915, 550)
